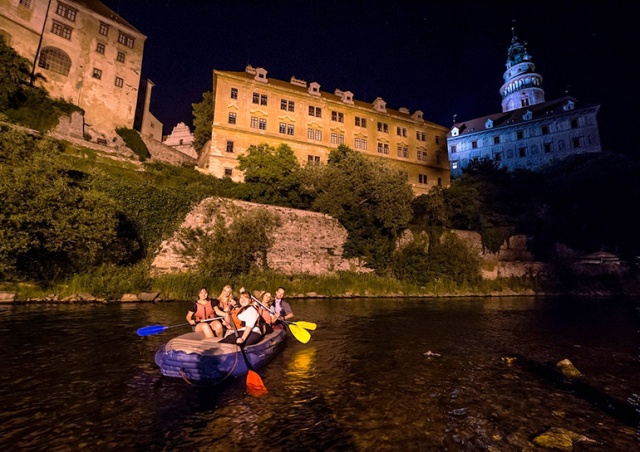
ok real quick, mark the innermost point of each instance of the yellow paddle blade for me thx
(299, 333)
(306, 325)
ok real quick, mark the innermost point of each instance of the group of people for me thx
(242, 322)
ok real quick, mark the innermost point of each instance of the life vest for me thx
(240, 323)
(203, 311)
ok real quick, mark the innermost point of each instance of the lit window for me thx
(234, 93)
(310, 134)
(263, 124)
(254, 122)
(229, 146)
(232, 118)
(120, 57)
(100, 48)
(282, 128)
(104, 29)
(289, 129)
(125, 40)
(318, 135)
(97, 73)
(61, 30)
(119, 82)
(66, 12)
(283, 104)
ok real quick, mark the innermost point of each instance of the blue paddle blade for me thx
(151, 329)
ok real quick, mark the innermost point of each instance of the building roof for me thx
(509, 118)
(98, 7)
(329, 96)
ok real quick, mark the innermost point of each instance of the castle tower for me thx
(522, 86)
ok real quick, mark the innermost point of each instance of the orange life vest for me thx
(204, 311)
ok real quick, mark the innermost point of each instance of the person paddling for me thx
(282, 309)
(246, 323)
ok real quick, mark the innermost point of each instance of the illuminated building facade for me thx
(250, 109)
(530, 132)
(87, 54)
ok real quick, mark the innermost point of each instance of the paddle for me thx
(297, 330)
(155, 329)
(306, 325)
(255, 386)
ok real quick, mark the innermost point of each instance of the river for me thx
(77, 377)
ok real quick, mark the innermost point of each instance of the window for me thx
(337, 138)
(401, 131)
(120, 57)
(229, 146)
(438, 158)
(422, 155)
(255, 98)
(421, 136)
(100, 48)
(496, 140)
(577, 142)
(474, 145)
(548, 147)
(439, 182)
(403, 151)
(232, 118)
(313, 160)
(313, 134)
(228, 172)
(454, 164)
(288, 105)
(263, 99)
(498, 156)
(315, 111)
(361, 122)
(520, 134)
(361, 143)
(55, 60)
(453, 149)
(254, 122)
(574, 123)
(422, 179)
(282, 128)
(26, 3)
(437, 139)
(522, 152)
(125, 40)
(61, 30)
(545, 130)
(337, 116)
(66, 12)
(119, 82)
(263, 124)
(383, 127)
(289, 129)
(104, 29)
(97, 73)
(234, 93)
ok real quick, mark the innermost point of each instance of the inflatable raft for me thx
(194, 358)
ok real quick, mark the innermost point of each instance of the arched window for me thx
(55, 60)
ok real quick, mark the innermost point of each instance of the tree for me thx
(202, 121)
(51, 223)
(271, 175)
(14, 72)
(371, 200)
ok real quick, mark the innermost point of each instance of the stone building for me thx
(529, 132)
(181, 138)
(88, 54)
(250, 109)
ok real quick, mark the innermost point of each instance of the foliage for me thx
(202, 121)
(134, 142)
(109, 281)
(14, 72)
(448, 259)
(371, 200)
(271, 176)
(51, 222)
(229, 249)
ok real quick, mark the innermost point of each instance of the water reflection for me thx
(365, 381)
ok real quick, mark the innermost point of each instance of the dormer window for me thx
(314, 89)
(455, 132)
(380, 105)
(261, 75)
(488, 124)
(527, 116)
(568, 106)
(417, 115)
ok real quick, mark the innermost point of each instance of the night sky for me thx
(443, 58)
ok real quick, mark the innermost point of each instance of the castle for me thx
(250, 108)
(529, 132)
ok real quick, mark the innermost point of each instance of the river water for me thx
(77, 377)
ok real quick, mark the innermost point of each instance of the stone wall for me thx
(167, 154)
(306, 242)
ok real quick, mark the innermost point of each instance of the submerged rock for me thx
(568, 369)
(559, 438)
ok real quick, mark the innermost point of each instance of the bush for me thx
(134, 142)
